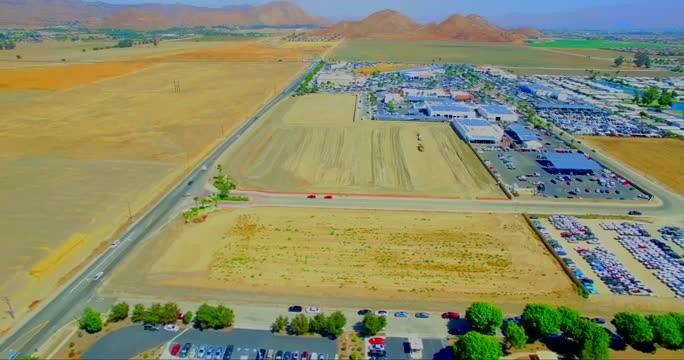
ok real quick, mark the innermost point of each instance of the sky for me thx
(420, 10)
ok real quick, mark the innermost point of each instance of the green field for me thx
(598, 44)
(421, 52)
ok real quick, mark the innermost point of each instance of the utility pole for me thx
(9, 306)
(130, 214)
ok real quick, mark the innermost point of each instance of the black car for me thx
(363, 312)
(279, 355)
(377, 353)
(635, 212)
(151, 327)
(261, 354)
(228, 353)
(295, 308)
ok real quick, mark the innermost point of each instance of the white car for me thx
(313, 310)
(116, 243)
(381, 313)
(98, 276)
(377, 347)
(171, 328)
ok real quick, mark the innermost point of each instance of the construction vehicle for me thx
(421, 148)
(420, 137)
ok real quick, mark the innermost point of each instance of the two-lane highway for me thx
(71, 301)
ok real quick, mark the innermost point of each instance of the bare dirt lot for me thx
(658, 159)
(327, 253)
(72, 160)
(312, 144)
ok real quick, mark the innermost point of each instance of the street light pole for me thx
(9, 306)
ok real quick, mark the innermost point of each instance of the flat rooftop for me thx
(571, 161)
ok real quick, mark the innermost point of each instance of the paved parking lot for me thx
(526, 164)
(130, 341)
(398, 348)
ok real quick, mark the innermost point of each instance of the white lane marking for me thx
(102, 260)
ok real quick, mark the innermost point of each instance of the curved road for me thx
(69, 303)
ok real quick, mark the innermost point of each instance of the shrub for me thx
(475, 346)
(484, 317)
(90, 321)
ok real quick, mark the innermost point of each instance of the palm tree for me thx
(196, 199)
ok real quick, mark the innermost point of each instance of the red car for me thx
(305, 355)
(451, 315)
(175, 349)
(376, 341)
(312, 196)
(328, 197)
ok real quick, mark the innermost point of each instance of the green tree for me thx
(541, 319)
(138, 314)
(210, 317)
(666, 331)
(118, 312)
(170, 313)
(29, 357)
(650, 95)
(91, 321)
(633, 327)
(515, 335)
(153, 314)
(336, 323)
(484, 317)
(279, 324)
(372, 324)
(568, 320)
(187, 317)
(619, 61)
(475, 346)
(391, 107)
(592, 341)
(642, 59)
(125, 43)
(300, 324)
(318, 324)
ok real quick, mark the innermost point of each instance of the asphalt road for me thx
(71, 301)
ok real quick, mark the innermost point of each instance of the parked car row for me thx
(674, 234)
(669, 270)
(209, 352)
(572, 229)
(626, 228)
(362, 312)
(613, 273)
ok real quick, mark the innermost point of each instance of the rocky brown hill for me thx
(389, 24)
(147, 16)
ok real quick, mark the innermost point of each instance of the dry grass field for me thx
(63, 77)
(312, 144)
(73, 159)
(327, 253)
(661, 160)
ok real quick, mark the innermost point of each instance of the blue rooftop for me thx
(522, 133)
(473, 122)
(497, 109)
(443, 107)
(535, 86)
(571, 161)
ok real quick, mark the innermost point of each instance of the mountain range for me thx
(147, 16)
(390, 24)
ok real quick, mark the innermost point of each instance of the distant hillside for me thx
(389, 24)
(147, 16)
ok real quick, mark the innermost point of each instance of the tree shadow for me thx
(446, 353)
(458, 326)
(644, 347)
(560, 345)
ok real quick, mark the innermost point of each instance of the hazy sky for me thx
(422, 10)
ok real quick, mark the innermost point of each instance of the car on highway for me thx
(229, 352)
(185, 350)
(295, 308)
(175, 348)
(422, 315)
(98, 276)
(328, 197)
(201, 351)
(381, 313)
(401, 314)
(363, 312)
(635, 213)
(312, 196)
(451, 315)
(313, 310)
(218, 353)
(116, 243)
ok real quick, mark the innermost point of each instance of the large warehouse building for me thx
(477, 131)
(497, 113)
(571, 163)
(449, 111)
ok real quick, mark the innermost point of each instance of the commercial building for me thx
(570, 163)
(392, 97)
(520, 133)
(425, 93)
(477, 131)
(449, 111)
(542, 90)
(462, 96)
(497, 113)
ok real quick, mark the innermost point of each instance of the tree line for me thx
(330, 326)
(640, 60)
(7, 45)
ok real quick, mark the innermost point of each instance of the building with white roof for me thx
(449, 111)
(497, 113)
(477, 131)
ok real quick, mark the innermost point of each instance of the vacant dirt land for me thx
(658, 159)
(243, 51)
(311, 143)
(419, 256)
(71, 161)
